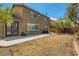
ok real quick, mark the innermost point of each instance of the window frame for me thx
(33, 14)
(32, 27)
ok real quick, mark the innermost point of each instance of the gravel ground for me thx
(53, 45)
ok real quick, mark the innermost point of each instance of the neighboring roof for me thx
(28, 8)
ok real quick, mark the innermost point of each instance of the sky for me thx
(55, 10)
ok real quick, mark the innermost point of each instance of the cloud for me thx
(53, 18)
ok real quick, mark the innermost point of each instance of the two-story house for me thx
(26, 21)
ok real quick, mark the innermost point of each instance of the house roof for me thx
(29, 9)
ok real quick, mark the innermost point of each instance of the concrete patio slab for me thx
(19, 39)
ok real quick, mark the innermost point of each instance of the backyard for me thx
(64, 41)
(53, 45)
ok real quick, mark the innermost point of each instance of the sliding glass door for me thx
(8, 29)
(12, 29)
(15, 28)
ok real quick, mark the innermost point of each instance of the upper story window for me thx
(16, 17)
(33, 14)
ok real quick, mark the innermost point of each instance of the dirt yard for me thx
(53, 45)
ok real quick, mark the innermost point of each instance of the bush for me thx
(23, 34)
(44, 31)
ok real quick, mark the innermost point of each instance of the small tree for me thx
(72, 12)
(63, 24)
(5, 15)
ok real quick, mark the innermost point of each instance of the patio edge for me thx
(4, 43)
